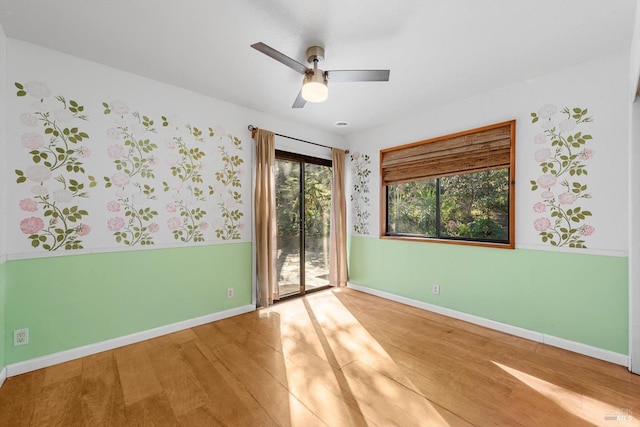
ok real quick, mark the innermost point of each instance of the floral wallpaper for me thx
(53, 217)
(361, 164)
(562, 159)
(187, 185)
(133, 161)
(162, 179)
(230, 197)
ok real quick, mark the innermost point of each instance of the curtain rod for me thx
(252, 128)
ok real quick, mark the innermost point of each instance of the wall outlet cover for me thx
(20, 337)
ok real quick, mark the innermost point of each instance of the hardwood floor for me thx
(336, 358)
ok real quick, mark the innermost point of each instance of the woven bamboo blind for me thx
(465, 152)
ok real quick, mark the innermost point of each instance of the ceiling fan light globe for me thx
(314, 87)
(315, 92)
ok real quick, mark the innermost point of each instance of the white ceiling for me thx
(439, 51)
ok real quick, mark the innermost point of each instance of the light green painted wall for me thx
(71, 301)
(582, 298)
(2, 314)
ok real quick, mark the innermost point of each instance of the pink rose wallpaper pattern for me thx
(56, 176)
(199, 169)
(562, 160)
(361, 164)
(231, 198)
(132, 157)
(187, 187)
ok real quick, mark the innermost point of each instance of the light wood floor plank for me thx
(403, 406)
(329, 406)
(277, 401)
(182, 337)
(209, 334)
(102, 399)
(57, 404)
(201, 416)
(182, 388)
(334, 358)
(230, 403)
(62, 371)
(137, 375)
(17, 398)
(260, 416)
(151, 411)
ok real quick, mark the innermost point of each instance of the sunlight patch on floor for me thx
(349, 365)
(584, 407)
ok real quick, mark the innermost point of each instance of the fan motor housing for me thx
(315, 53)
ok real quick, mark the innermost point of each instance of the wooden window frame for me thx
(512, 189)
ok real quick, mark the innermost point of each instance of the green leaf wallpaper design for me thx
(132, 155)
(163, 181)
(229, 177)
(563, 159)
(187, 187)
(57, 148)
(360, 194)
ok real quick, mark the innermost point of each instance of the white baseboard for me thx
(3, 375)
(87, 350)
(576, 347)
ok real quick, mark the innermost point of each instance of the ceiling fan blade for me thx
(358, 75)
(299, 102)
(280, 57)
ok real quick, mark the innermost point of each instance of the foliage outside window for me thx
(316, 187)
(455, 189)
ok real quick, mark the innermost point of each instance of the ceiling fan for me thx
(314, 83)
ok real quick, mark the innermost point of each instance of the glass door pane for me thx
(303, 205)
(288, 220)
(317, 208)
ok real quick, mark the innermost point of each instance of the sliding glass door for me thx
(303, 204)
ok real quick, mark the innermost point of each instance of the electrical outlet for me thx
(436, 289)
(229, 293)
(20, 337)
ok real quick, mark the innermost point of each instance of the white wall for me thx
(600, 85)
(634, 198)
(3, 141)
(3, 167)
(91, 85)
(634, 246)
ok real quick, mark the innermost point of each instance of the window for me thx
(456, 189)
